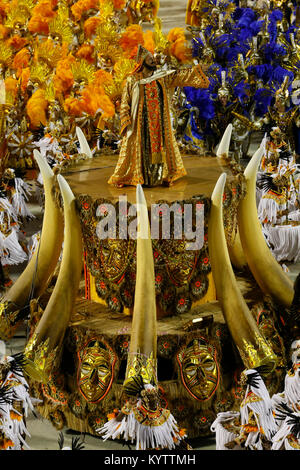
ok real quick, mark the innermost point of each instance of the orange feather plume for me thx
(178, 47)
(176, 33)
(42, 14)
(86, 51)
(63, 79)
(11, 86)
(119, 4)
(45, 9)
(73, 106)
(90, 25)
(21, 59)
(4, 9)
(130, 40)
(94, 100)
(38, 24)
(149, 43)
(81, 6)
(24, 77)
(3, 32)
(103, 78)
(180, 50)
(17, 42)
(36, 109)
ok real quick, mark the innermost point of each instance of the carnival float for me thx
(130, 336)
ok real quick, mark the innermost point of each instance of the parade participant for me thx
(149, 153)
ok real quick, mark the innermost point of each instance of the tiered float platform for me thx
(189, 315)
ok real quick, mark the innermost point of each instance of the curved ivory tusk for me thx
(44, 347)
(223, 148)
(235, 250)
(236, 253)
(264, 267)
(143, 341)
(35, 277)
(84, 146)
(253, 349)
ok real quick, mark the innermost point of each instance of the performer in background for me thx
(149, 153)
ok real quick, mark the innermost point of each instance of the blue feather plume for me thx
(200, 98)
(263, 99)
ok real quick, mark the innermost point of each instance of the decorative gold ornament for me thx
(60, 28)
(40, 358)
(257, 357)
(83, 71)
(140, 364)
(48, 52)
(39, 73)
(6, 54)
(199, 369)
(8, 319)
(106, 33)
(160, 39)
(95, 370)
(16, 17)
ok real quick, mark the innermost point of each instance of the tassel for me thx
(223, 435)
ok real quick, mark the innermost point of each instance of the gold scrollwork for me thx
(145, 366)
(258, 356)
(8, 320)
(40, 356)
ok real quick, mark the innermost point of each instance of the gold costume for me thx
(149, 153)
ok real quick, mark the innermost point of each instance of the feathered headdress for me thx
(142, 53)
(257, 399)
(289, 429)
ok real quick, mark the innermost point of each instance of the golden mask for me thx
(199, 369)
(180, 262)
(96, 370)
(114, 255)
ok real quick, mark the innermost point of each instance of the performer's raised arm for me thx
(194, 77)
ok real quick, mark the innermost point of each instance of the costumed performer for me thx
(149, 153)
